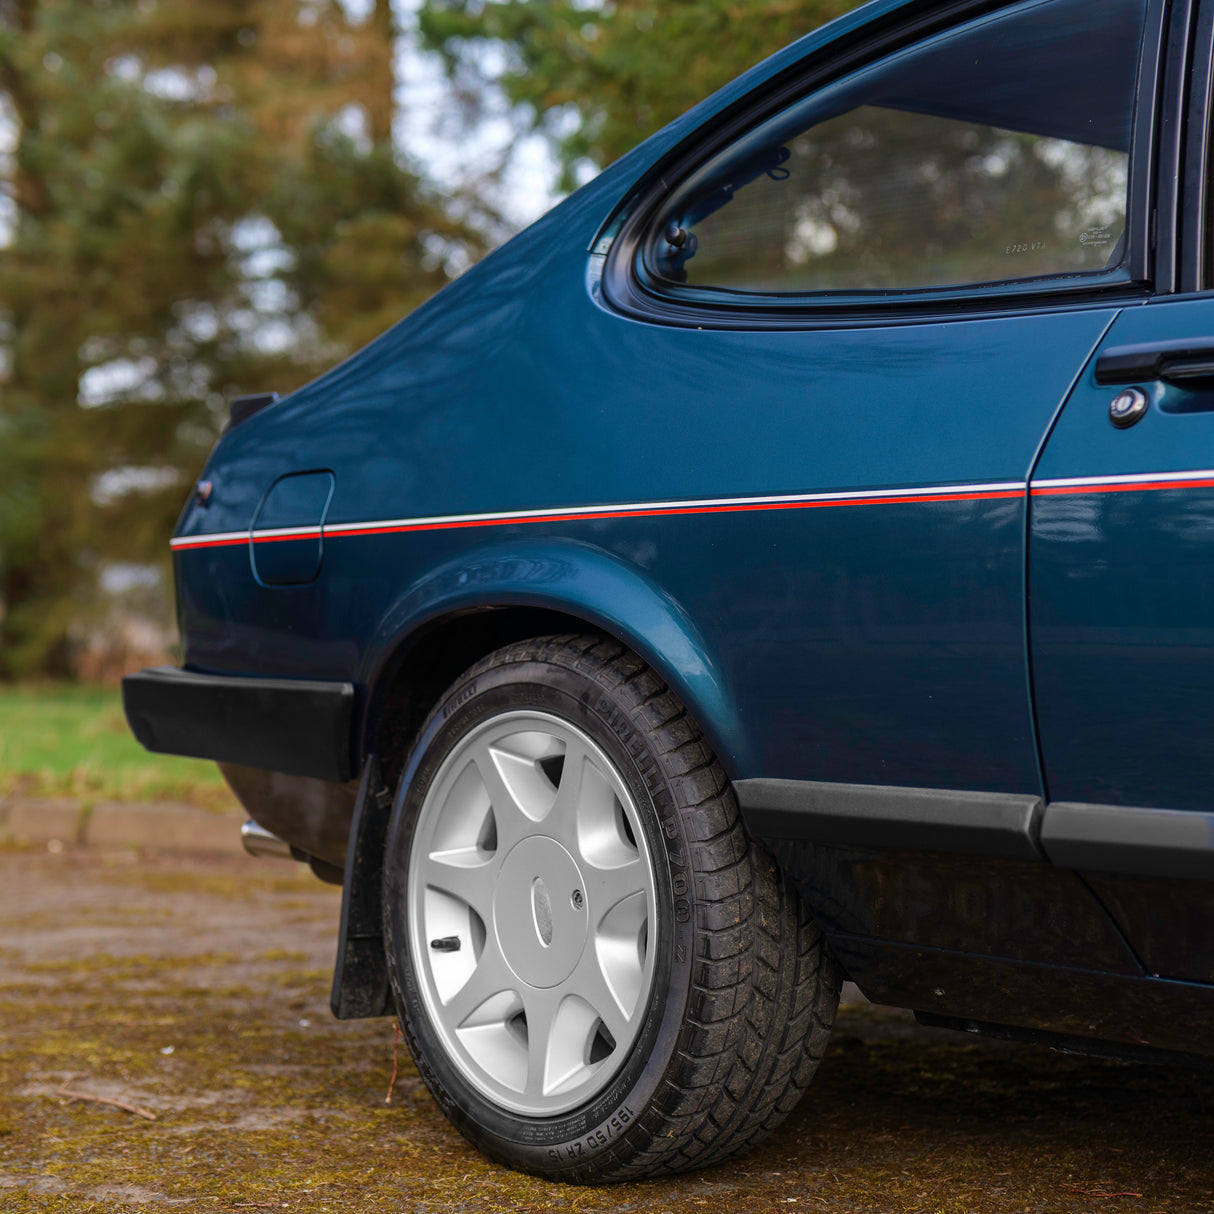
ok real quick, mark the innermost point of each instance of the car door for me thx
(1121, 592)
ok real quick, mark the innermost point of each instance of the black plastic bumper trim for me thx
(1002, 825)
(299, 727)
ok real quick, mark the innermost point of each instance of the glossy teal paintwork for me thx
(300, 499)
(604, 589)
(1122, 591)
(879, 643)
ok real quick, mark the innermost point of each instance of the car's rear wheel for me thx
(600, 978)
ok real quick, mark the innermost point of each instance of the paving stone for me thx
(171, 827)
(42, 821)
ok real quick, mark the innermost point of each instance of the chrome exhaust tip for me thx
(260, 842)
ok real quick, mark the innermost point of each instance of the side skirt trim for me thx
(1122, 839)
(1090, 838)
(872, 815)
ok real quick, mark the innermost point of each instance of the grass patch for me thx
(63, 740)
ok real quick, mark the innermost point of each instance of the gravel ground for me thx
(195, 989)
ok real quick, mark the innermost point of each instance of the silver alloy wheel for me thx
(531, 905)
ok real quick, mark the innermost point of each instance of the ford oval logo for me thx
(541, 910)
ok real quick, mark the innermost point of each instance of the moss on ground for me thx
(262, 1101)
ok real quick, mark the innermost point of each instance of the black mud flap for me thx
(360, 977)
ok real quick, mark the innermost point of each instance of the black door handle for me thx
(1181, 362)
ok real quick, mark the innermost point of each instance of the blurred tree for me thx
(199, 200)
(600, 76)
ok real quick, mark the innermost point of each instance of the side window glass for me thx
(997, 152)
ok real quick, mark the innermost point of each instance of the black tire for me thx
(743, 991)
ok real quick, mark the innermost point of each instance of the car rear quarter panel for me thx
(880, 643)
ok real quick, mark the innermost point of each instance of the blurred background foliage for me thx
(201, 198)
(597, 78)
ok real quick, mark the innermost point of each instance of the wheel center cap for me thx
(539, 912)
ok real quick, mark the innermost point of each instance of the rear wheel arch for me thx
(462, 611)
(424, 663)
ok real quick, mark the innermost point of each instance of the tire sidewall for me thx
(567, 1144)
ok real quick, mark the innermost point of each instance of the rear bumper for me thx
(294, 726)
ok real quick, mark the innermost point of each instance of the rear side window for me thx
(997, 152)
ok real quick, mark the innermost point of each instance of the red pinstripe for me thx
(192, 542)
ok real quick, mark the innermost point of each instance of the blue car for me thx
(790, 559)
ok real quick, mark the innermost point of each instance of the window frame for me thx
(1194, 171)
(627, 288)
